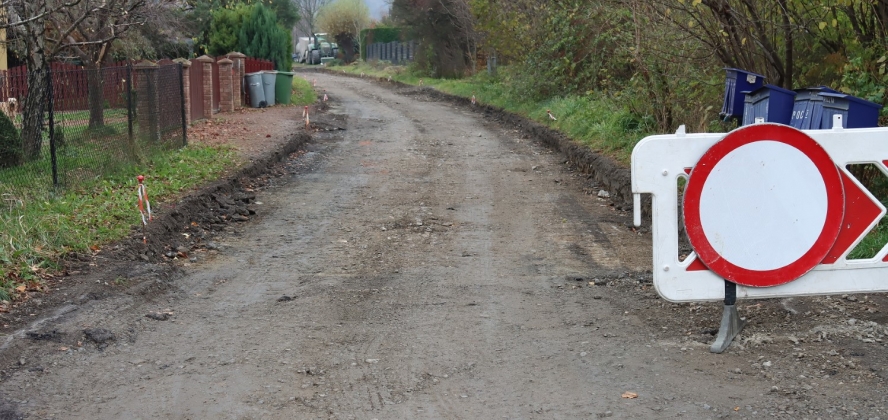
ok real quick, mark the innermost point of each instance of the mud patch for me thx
(100, 336)
(51, 335)
(8, 411)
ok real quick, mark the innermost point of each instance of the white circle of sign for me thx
(783, 220)
(764, 205)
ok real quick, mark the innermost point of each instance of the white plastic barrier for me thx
(763, 209)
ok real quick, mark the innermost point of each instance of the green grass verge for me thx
(599, 121)
(874, 241)
(303, 93)
(37, 230)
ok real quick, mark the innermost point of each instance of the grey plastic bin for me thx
(253, 83)
(268, 83)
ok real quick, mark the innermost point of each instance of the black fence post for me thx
(52, 137)
(129, 101)
(182, 98)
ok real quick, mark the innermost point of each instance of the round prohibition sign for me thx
(764, 205)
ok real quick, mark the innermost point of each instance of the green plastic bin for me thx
(283, 87)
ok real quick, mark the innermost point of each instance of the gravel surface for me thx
(425, 263)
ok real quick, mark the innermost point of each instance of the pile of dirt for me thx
(183, 225)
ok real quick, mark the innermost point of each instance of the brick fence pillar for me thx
(207, 63)
(147, 100)
(186, 86)
(226, 85)
(238, 76)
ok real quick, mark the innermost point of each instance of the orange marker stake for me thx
(144, 207)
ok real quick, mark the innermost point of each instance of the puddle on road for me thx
(336, 109)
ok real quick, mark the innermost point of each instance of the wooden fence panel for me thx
(252, 65)
(71, 85)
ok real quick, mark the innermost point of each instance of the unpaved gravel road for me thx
(426, 264)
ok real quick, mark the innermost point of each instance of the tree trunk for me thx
(96, 100)
(34, 104)
(788, 50)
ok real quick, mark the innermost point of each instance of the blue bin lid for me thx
(855, 99)
(819, 89)
(730, 69)
(774, 88)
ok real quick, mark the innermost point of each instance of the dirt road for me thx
(425, 264)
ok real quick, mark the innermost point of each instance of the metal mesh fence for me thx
(68, 125)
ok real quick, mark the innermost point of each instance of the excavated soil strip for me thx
(188, 223)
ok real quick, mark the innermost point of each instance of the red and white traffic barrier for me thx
(473, 98)
(307, 120)
(144, 206)
(799, 213)
(325, 95)
(549, 113)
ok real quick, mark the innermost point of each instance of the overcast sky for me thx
(377, 8)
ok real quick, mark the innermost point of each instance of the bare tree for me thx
(92, 31)
(26, 20)
(308, 13)
(760, 35)
(344, 20)
(460, 15)
(42, 29)
(445, 31)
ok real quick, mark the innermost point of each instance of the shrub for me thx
(10, 143)
(260, 36)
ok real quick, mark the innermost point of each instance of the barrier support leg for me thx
(731, 324)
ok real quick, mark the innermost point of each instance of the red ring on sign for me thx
(835, 207)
